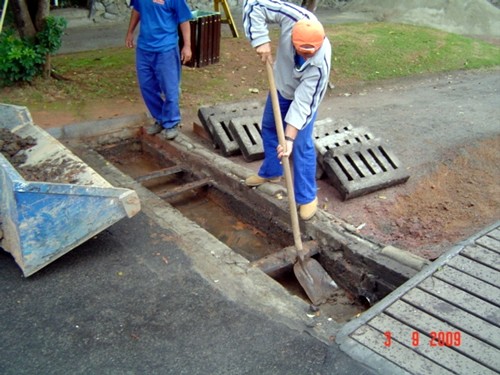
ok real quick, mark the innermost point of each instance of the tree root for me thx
(59, 77)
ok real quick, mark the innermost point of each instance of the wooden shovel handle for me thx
(285, 161)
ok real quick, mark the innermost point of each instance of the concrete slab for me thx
(331, 133)
(219, 123)
(361, 168)
(355, 161)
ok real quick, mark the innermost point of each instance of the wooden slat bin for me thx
(205, 38)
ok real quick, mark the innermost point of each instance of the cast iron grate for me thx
(355, 161)
(215, 120)
(247, 133)
(362, 168)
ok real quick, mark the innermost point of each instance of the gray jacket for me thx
(305, 86)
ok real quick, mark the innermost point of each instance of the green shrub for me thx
(50, 38)
(21, 60)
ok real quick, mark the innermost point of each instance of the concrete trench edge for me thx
(224, 265)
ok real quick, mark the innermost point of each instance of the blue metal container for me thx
(43, 220)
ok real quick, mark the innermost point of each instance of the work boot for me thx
(170, 133)
(308, 210)
(255, 180)
(154, 129)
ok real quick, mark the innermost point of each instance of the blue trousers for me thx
(159, 76)
(303, 154)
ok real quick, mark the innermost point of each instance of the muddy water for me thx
(241, 237)
(197, 205)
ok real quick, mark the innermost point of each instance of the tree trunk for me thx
(41, 13)
(22, 18)
(29, 18)
(47, 67)
(310, 5)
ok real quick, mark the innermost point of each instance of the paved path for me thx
(83, 35)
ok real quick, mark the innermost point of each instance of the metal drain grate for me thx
(222, 135)
(218, 128)
(329, 134)
(362, 168)
(247, 133)
(355, 161)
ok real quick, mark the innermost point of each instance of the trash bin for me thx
(205, 38)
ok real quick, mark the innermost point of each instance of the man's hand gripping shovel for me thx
(316, 282)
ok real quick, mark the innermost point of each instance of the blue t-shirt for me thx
(159, 23)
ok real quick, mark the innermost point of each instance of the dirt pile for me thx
(11, 146)
(14, 147)
(466, 17)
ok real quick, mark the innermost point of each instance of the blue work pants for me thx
(159, 76)
(303, 157)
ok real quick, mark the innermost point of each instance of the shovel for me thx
(315, 281)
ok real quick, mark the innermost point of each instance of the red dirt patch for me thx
(429, 215)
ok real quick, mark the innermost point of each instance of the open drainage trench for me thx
(256, 225)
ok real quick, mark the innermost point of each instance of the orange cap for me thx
(308, 35)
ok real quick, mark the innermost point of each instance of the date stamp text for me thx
(433, 339)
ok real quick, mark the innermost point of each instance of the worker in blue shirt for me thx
(159, 60)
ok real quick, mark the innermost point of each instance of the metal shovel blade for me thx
(316, 282)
